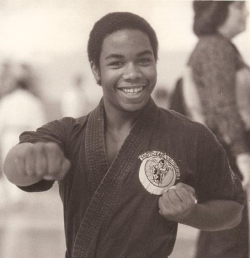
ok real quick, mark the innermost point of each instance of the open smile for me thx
(132, 91)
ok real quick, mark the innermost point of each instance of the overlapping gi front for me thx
(112, 211)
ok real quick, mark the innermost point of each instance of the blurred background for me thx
(48, 39)
(51, 36)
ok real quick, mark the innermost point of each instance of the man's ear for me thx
(96, 73)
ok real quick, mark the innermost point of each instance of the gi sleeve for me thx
(215, 178)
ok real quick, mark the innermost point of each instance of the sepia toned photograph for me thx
(124, 129)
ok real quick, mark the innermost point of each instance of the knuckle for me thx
(20, 156)
(66, 165)
(18, 160)
(52, 169)
(29, 171)
(38, 147)
(40, 170)
(179, 185)
(52, 147)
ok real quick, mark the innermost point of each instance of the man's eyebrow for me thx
(114, 56)
(146, 52)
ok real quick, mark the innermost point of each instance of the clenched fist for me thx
(177, 202)
(42, 160)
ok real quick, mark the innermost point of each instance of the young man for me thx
(129, 172)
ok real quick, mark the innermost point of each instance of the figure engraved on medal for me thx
(157, 172)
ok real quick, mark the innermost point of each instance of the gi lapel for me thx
(111, 184)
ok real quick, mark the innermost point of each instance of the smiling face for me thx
(127, 71)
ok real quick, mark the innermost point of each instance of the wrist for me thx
(188, 219)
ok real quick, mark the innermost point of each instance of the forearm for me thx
(214, 215)
(10, 167)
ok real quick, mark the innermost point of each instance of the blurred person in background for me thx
(129, 171)
(20, 109)
(75, 102)
(5, 77)
(215, 91)
(5, 70)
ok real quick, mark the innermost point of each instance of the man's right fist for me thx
(43, 160)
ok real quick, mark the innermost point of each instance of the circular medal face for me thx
(157, 172)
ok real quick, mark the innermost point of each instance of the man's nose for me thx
(131, 72)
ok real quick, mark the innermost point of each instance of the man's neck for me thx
(119, 121)
(117, 127)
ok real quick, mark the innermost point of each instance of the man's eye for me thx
(144, 61)
(116, 64)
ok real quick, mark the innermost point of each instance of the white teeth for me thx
(132, 91)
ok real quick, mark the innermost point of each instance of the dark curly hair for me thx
(113, 22)
(209, 15)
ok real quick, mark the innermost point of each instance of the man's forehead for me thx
(124, 34)
(133, 40)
